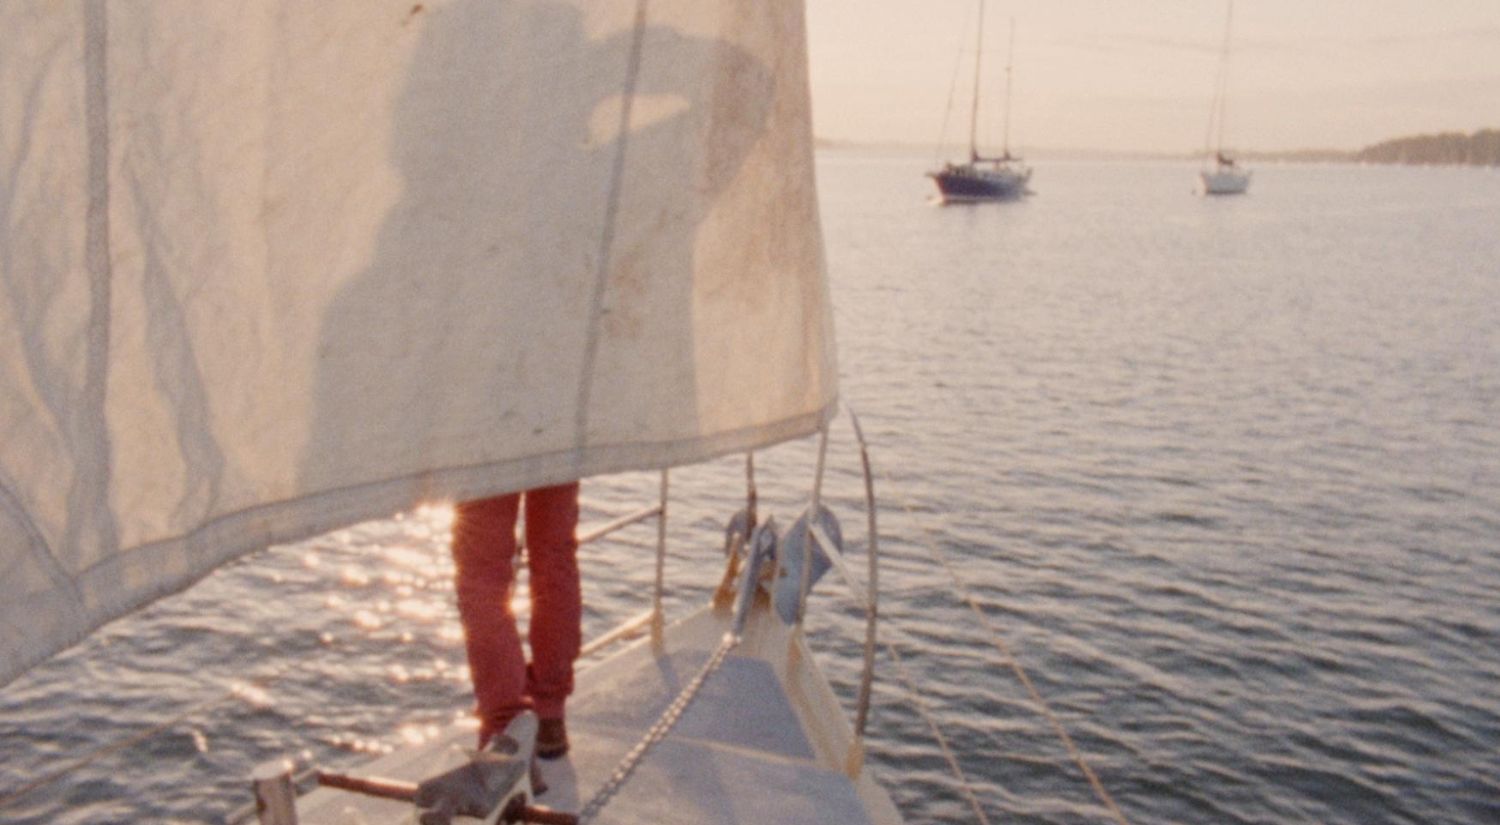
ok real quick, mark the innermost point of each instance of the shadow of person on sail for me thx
(527, 315)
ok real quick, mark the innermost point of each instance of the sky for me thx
(1138, 75)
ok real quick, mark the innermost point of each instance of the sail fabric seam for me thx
(90, 486)
(13, 506)
(607, 235)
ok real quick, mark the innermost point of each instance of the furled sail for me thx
(272, 267)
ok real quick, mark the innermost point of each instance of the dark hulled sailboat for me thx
(981, 178)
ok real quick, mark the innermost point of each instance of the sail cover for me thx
(272, 267)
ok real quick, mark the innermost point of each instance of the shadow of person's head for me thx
(542, 151)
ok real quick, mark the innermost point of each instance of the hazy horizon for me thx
(1132, 76)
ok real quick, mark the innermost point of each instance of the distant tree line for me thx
(1479, 149)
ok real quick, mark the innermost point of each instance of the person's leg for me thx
(484, 551)
(556, 605)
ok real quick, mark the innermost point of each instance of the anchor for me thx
(495, 786)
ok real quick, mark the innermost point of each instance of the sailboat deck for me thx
(761, 743)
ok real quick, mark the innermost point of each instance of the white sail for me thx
(271, 267)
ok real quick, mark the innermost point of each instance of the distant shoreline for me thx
(1481, 148)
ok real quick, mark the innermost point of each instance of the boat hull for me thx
(1224, 182)
(972, 185)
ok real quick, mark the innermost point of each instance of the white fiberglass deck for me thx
(766, 741)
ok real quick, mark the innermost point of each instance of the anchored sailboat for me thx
(981, 178)
(1224, 176)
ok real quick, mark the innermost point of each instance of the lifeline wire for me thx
(1015, 666)
(115, 747)
(937, 733)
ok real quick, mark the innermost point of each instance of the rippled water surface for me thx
(1225, 473)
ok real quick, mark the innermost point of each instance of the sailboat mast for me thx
(1010, 59)
(1221, 94)
(974, 108)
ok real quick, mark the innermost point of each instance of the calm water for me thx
(1226, 473)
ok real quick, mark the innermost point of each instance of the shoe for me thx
(551, 739)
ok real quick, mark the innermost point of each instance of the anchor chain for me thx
(658, 731)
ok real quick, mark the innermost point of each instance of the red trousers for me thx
(484, 552)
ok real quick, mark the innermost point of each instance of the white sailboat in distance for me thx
(1224, 175)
